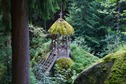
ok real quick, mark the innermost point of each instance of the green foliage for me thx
(109, 70)
(88, 22)
(39, 45)
(44, 9)
(32, 77)
(38, 76)
(37, 40)
(5, 24)
(5, 65)
(66, 76)
(64, 63)
(39, 50)
(93, 21)
(118, 71)
(2, 71)
(120, 47)
(81, 58)
(5, 48)
(64, 72)
(40, 54)
(37, 37)
(117, 9)
(110, 43)
(80, 41)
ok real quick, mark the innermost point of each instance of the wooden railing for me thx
(58, 52)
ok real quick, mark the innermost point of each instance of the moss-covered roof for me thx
(61, 27)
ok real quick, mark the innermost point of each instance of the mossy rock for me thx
(64, 63)
(110, 70)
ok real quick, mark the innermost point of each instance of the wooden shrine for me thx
(60, 43)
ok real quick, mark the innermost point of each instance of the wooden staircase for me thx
(57, 53)
(49, 62)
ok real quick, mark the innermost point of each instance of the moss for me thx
(118, 71)
(94, 75)
(91, 79)
(114, 56)
(110, 70)
(64, 63)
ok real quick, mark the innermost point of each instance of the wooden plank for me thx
(60, 52)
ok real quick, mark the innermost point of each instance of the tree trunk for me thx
(20, 42)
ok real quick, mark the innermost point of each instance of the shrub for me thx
(64, 63)
(110, 43)
(40, 54)
(32, 77)
(120, 47)
(5, 65)
(67, 70)
(38, 77)
(2, 72)
(63, 70)
(80, 41)
(81, 58)
(37, 39)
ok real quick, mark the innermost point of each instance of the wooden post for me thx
(67, 45)
(58, 44)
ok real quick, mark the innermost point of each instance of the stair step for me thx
(49, 62)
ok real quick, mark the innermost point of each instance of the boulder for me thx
(109, 70)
